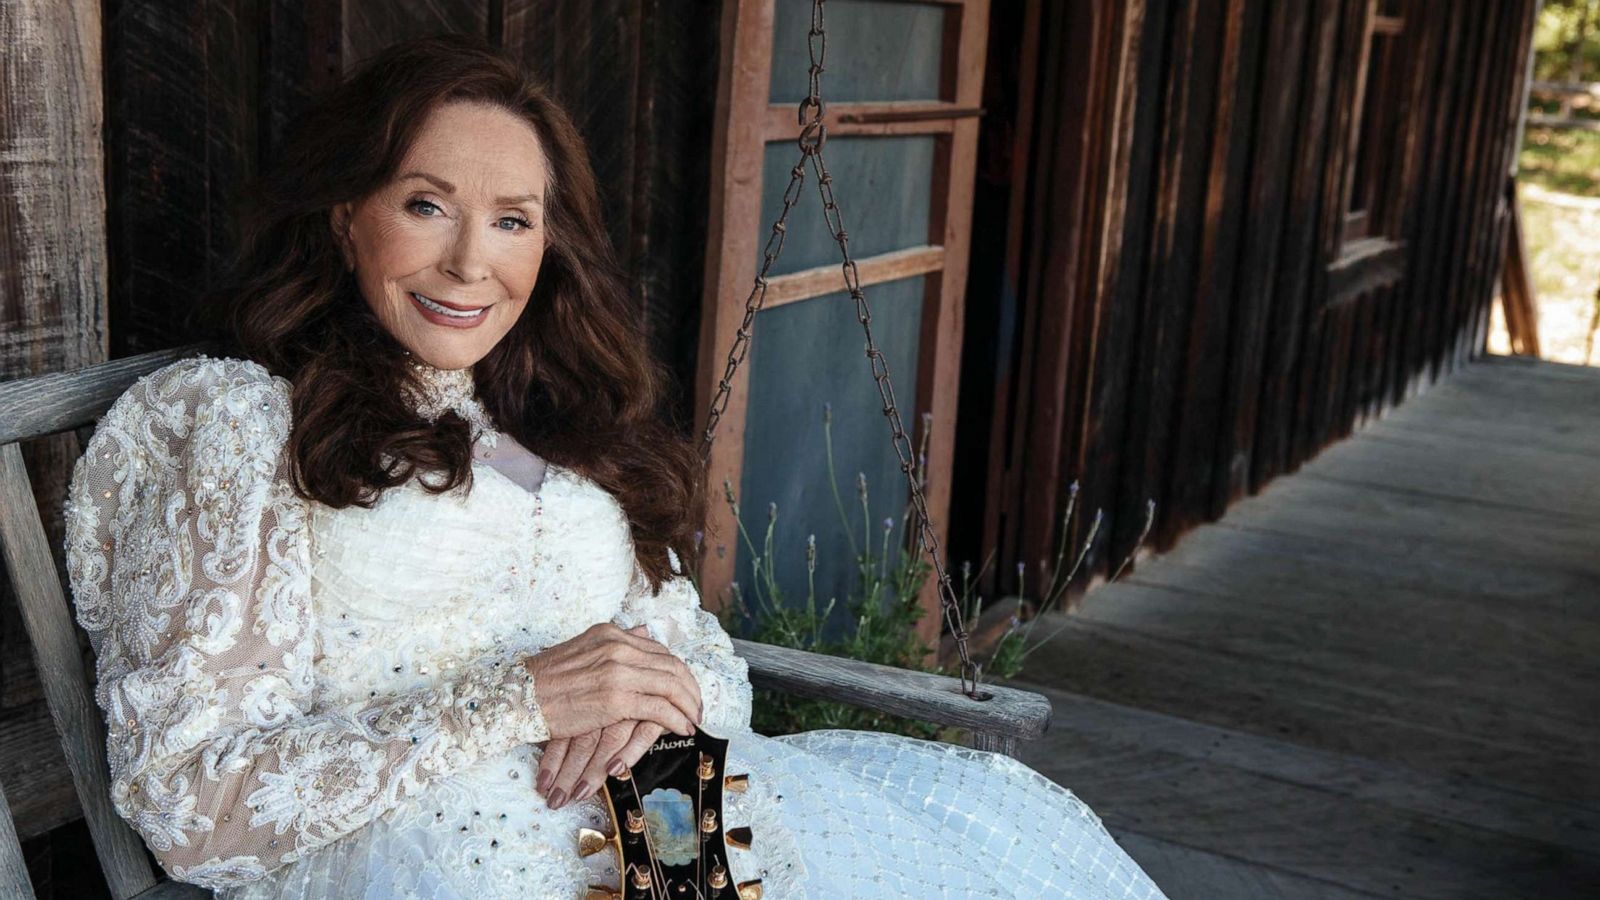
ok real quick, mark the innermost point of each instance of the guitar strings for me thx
(658, 877)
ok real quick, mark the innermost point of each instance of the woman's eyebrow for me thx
(449, 188)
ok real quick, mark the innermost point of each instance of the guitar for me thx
(667, 827)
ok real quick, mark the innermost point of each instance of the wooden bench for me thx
(48, 404)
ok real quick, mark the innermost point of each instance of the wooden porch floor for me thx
(1380, 677)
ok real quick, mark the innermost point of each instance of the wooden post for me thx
(1516, 284)
(53, 248)
(53, 310)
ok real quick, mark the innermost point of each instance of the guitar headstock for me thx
(667, 827)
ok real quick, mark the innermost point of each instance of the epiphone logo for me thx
(672, 745)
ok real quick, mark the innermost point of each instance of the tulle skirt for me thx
(836, 814)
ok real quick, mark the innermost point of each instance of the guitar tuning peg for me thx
(749, 890)
(600, 892)
(739, 838)
(641, 879)
(737, 784)
(591, 842)
(718, 878)
(708, 769)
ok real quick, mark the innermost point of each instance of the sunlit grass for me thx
(1559, 182)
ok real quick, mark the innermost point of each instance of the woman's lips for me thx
(433, 311)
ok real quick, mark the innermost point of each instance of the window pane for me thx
(802, 355)
(876, 51)
(882, 184)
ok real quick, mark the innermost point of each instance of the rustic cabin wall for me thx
(1249, 274)
(196, 99)
(52, 317)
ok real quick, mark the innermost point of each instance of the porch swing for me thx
(996, 717)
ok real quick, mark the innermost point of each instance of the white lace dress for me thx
(315, 703)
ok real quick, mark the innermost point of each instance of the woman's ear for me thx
(339, 223)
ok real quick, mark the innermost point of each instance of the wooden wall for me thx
(195, 97)
(1174, 314)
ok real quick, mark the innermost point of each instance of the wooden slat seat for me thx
(33, 407)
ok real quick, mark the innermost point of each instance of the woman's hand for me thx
(605, 676)
(573, 768)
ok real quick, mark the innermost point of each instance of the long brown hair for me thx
(573, 380)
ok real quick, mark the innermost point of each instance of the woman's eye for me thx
(524, 223)
(415, 204)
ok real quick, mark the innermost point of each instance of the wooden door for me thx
(902, 87)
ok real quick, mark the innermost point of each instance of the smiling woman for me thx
(352, 644)
(446, 269)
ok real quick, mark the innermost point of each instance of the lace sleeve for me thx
(675, 618)
(187, 553)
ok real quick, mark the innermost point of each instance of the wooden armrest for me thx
(175, 890)
(1007, 713)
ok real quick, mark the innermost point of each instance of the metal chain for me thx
(813, 135)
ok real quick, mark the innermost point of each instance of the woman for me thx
(409, 557)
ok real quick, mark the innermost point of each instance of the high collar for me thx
(433, 392)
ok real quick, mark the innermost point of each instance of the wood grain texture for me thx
(34, 767)
(1244, 327)
(13, 868)
(1374, 678)
(37, 587)
(46, 404)
(1009, 714)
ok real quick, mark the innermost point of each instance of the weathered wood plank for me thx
(1187, 679)
(1345, 833)
(46, 404)
(1186, 872)
(1468, 581)
(1272, 166)
(1009, 713)
(370, 27)
(1549, 701)
(13, 868)
(1396, 523)
(1206, 364)
(38, 591)
(1561, 484)
(1135, 57)
(1450, 797)
(1167, 305)
(175, 890)
(31, 761)
(1301, 259)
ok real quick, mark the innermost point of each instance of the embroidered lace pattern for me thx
(438, 391)
(308, 702)
(262, 698)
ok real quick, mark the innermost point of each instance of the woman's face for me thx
(447, 253)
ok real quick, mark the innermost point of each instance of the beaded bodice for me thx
(279, 674)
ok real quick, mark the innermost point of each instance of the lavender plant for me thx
(882, 609)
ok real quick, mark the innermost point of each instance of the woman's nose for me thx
(465, 260)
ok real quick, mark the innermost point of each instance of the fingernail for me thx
(543, 782)
(557, 798)
(583, 790)
(616, 769)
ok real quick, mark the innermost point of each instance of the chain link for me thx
(813, 135)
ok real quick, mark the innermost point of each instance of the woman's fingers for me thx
(572, 765)
(644, 734)
(635, 686)
(651, 708)
(611, 740)
(604, 676)
(554, 752)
